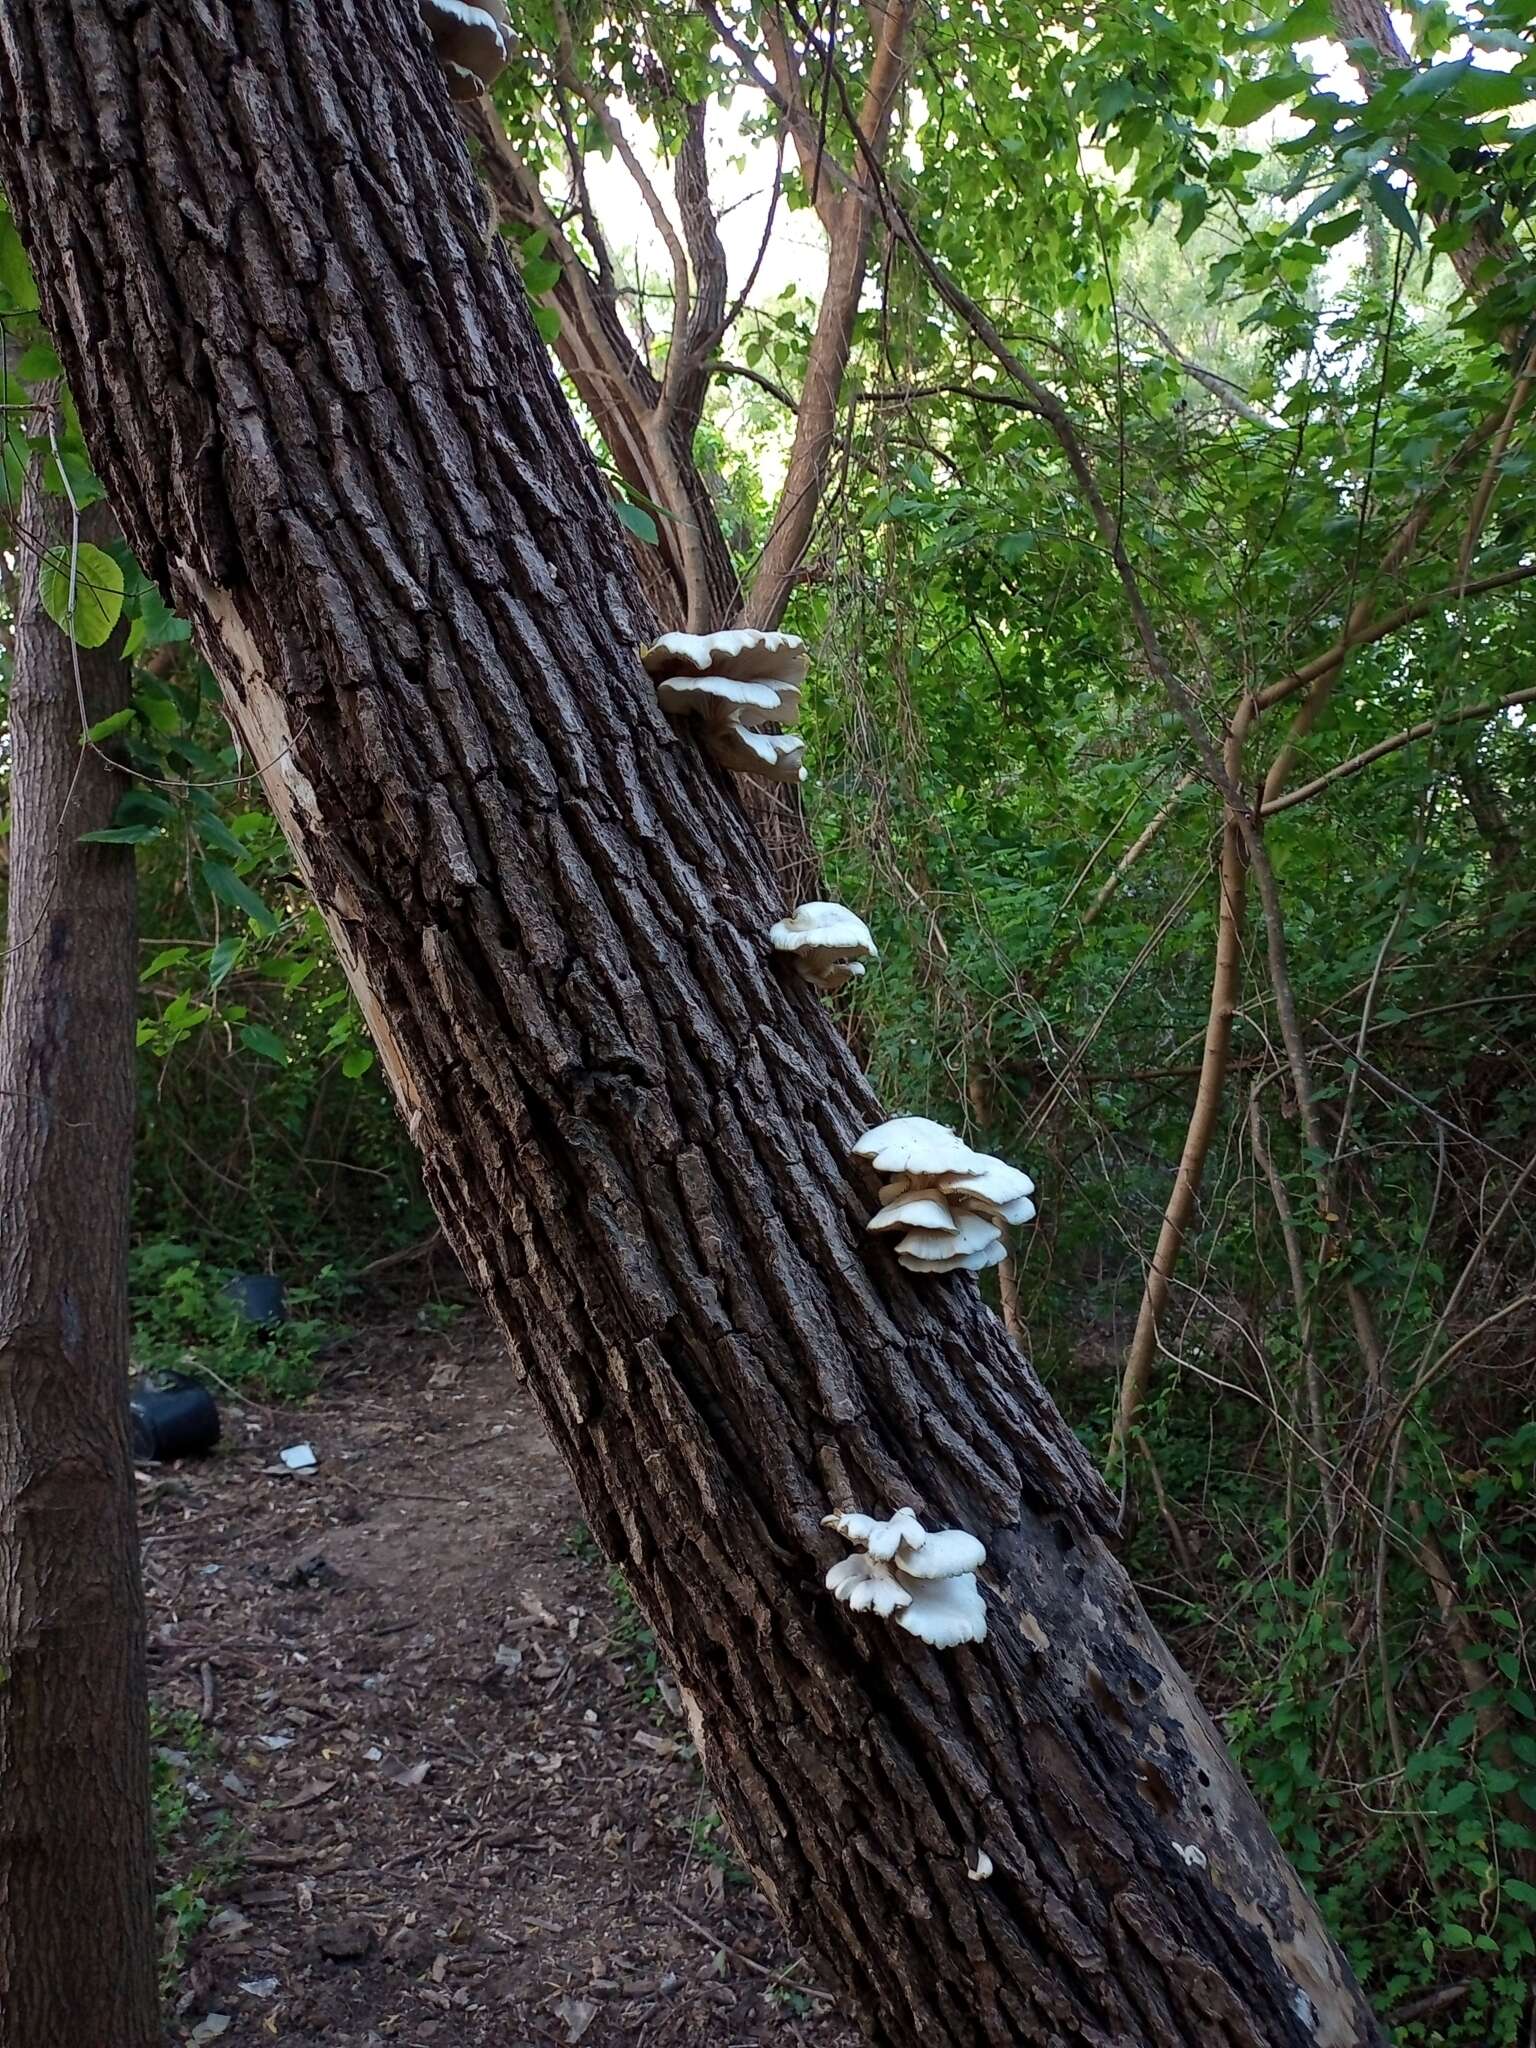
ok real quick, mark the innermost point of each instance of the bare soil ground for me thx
(453, 1802)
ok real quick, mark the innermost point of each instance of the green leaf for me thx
(1310, 19)
(356, 1062)
(213, 831)
(156, 625)
(540, 274)
(638, 520)
(257, 1038)
(15, 272)
(38, 364)
(173, 956)
(547, 321)
(158, 711)
(1255, 97)
(121, 835)
(224, 957)
(224, 883)
(1329, 232)
(104, 728)
(1394, 206)
(96, 583)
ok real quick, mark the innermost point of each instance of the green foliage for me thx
(184, 1320)
(195, 1855)
(82, 591)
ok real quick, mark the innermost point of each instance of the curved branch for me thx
(1405, 738)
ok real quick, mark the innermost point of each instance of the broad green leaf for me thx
(540, 274)
(1395, 206)
(1255, 97)
(638, 520)
(547, 320)
(224, 883)
(224, 958)
(213, 831)
(357, 1061)
(88, 576)
(38, 364)
(104, 728)
(15, 272)
(257, 1038)
(172, 956)
(121, 835)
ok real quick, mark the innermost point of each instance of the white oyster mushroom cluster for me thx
(828, 943)
(473, 44)
(923, 1578)
(735, 683)
(949, 1203)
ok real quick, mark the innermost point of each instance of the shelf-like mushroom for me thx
(473, 44)
(735, 683)
(949, 1203)
(923, 1579)
(828, 944)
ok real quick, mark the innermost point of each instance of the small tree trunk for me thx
(77, 1960)
(323, 412)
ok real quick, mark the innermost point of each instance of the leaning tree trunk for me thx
(324, 416)
(77, 1961)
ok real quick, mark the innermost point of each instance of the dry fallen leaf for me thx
(406, 1774)
(578, 2014)
(307, 1794)
(661, 1745)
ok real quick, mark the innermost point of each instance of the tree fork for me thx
(325, 418)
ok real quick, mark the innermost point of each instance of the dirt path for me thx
(459, 1807)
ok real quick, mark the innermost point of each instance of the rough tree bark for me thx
(325, 418)
(77, 1960)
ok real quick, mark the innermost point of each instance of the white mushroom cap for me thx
(473, 44)
(829, 944)
(942, 1554)
(992, 1254)
(837, 976)
(945, 1612)
(992, 1182)
(970, 1234)
(913, 1212)
(719, 700)
(925, 1578)
(866, 1585)
(880, 1539)
(918, 1146)
(786, 708)
(771, 756)
(747, 655)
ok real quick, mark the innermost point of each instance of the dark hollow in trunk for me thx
(319, 403)
(77, 1957)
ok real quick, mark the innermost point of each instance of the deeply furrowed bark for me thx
(322, 412)
(77, 1961)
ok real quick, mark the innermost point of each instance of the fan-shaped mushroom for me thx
(472, 43)
(828, 943)
(735, 682)
(923, 1578)
(949, 1202)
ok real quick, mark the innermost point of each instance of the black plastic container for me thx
(173, 1417)
(259, 1298)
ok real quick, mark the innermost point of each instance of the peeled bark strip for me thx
(77, 1958)
(323, 412)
